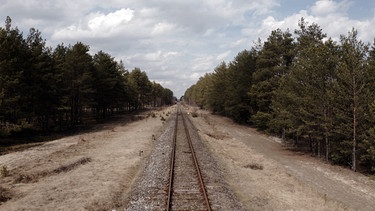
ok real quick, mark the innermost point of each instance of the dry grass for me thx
(29, 178)
(4, 172)
(69, 167)
(194, 114)
(254, 166)
(102, 184)
(5, 195)
(217, 135)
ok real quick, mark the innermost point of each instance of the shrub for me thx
(5, 194)
(254, 166)
(194, 114)
(4, 172)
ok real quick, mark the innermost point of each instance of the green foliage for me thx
(367, 146)
(261, 120)
(217, 92)
(194, 114)
(309, 88)
(53, 89)
(4, 172)
(13, 62)
(273, 62)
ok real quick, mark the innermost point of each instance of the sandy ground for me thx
(90, 171)
(266, 176)
(96, 170)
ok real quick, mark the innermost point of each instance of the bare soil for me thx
(96, 170)
(90, 171)
(267, 176)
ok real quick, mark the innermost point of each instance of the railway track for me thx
(171, 181)
(186, 189)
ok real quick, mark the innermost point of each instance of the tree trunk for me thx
(354, 167)
(327, 147)
(319, 147)
(326, 134)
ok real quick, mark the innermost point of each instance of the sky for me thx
(177, 41)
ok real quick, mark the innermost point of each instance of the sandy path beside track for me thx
(90, 171)
(266, 176)
(96, 170)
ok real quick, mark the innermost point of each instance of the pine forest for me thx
(45, 89)
(314, 92)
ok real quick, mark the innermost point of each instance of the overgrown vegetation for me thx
(307, 88)
(194, 114)
(48, 89)
(29, 178)
(254, 166)
(4, 172)
(5, 194)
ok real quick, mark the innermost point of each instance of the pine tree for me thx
(216, 95)
(78, 79)
(273, 62)
(351, 93)
(304, 100)
(39, 81)
(13, 61)
(140, 87)
(108, 85)
(240, 71)
(367, 147)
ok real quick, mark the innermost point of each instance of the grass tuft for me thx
(254, 166)
(5, 194)
(4, 172)
(29, 178)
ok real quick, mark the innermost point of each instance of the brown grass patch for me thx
(5, 194)
(254, 166)
(28, 178)
(4, 172)
(69, 167)
(217, 135)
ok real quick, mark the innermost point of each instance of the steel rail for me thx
(201, 182)
(195, 160)
(173, 153)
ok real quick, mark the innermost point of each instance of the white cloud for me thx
(176, 42)
(332, 18)
(96, 25)
(330, 7)
(161, 28)
(203, 63)
(223, 56)
(195, 76)
(159, 55)
(102, 22)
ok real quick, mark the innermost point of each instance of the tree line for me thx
(307, 88)
(52, 89)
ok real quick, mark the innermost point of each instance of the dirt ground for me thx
(90, 171)
(96, 170)
(266, 176)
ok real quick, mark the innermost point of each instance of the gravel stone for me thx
(150, 190)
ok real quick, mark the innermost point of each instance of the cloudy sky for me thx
(177, 41)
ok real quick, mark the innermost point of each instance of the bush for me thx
(4, 172)
(5, 194)
(254, 166)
